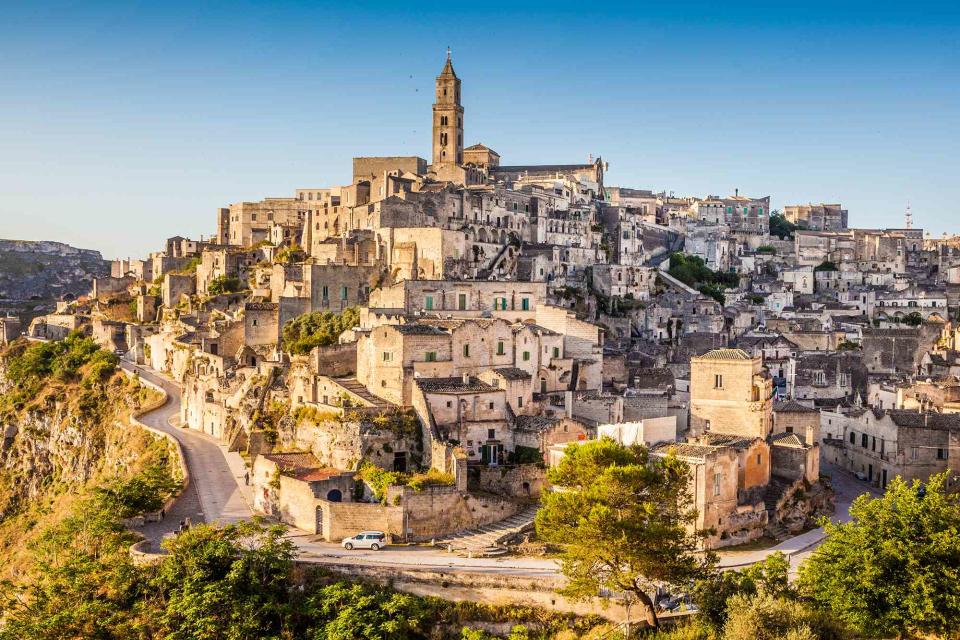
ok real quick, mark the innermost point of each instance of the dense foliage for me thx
(293, 253)
(33, 366)
(317, 329)
(826, 265)
(224, 284)
(780, 226)
(145, 492)
(693, 272)
(894, 569)
(622, 521)
(236, 582)
(379, 480)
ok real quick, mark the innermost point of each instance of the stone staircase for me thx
(486, 540)
(354, 387)
(771, 497)
(773, 493)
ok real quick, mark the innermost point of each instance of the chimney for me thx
(466, 378)
(736, 192)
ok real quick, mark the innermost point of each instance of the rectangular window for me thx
(556, 352)
(387, 356)
(863, 440)
(941, 454)
(525, 304)
(520, 402)
(343, 293)
(500, 347)
(326, 292)
(853, 437)
(428, 303)
(914, 453)
(466, 351)
(431, 356)
(462, 302)
(526, 356)
(718, 381)
(491, 434)
(873, 443)
(716, 484)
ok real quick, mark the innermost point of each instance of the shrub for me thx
(146, 491)
(766, 617)
(224, 284)
(317, 329)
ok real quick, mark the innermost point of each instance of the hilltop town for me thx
(413, 351)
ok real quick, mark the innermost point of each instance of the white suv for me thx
(374, 540)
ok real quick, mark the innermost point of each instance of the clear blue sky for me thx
(125, 123)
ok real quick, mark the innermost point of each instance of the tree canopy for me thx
(694, 272)
(224, 284)
(317, 329)
(780, 226)
(623, 521)
(894, 569)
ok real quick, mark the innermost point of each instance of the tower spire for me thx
(908, 217)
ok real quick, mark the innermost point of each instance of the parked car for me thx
(374, 540)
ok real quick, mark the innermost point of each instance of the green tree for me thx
(712, 593)
(344, 611)
(224, 284)
(85, 586)
(622, 519)
(894, 569)
(913, 319)
(780, 226)
(227, 583)
(317, 329)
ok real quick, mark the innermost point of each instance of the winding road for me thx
(217, 493)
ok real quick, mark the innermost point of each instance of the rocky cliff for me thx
(34, 275)
(60, 441)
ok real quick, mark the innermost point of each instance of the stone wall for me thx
(518, 481)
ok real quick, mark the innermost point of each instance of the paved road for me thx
(217, 494)
(213, 494)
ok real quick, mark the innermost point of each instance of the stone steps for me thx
(358, 389)
(485, 540)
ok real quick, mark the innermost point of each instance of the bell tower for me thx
(447, 119)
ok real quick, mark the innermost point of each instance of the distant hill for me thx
(35, 274)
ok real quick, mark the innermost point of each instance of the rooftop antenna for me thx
(908, 217)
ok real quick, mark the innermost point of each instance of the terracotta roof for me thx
(685, 449)
(726, 354)
(454, 385)
(726, 440)
(902, 418)
(792, 406)
(513, 373)
(535, 423)
(418, 329)
(294, 459)
(791, 440)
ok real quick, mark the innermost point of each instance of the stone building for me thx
(730, 392)
(9, 329)
(817, 217)
(879, 445)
